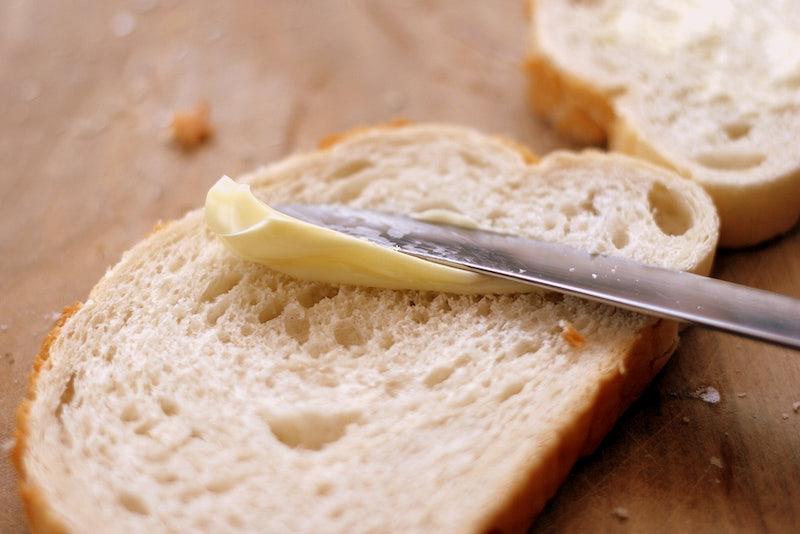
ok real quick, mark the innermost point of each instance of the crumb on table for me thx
(191, 127)
(620, 513)
(571, 335)
(707, 394)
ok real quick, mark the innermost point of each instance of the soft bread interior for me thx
(194, 391)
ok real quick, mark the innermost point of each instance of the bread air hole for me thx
(246, 330)
(220, 286)
(221, 484)
(296, 323)
(168, 406)
(510, 390)
(472, 160)
(736, 130)
(587, 206)
(216, 311)
(730, 161)
(386, 341)
(312, 295)
(129, 413)
(620, 237)
(145, 427)
(67, 395)
(525, 346)
(669, 210)
(324, 488)
(132, 503)
(420, 316)
(437, 375)
(310, 430)
(350, 168)
(176, 263)
(349, 189)
(347, 335)
(271, 309)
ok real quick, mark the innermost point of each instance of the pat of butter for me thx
(254, 231)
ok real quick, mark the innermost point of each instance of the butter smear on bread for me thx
(254, 231)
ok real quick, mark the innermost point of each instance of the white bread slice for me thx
(709, 89)
(194, 391)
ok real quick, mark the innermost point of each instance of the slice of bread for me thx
(194, 391)
(708, 89)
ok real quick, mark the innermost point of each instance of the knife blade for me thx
(611, 280)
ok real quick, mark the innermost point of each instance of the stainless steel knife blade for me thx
(609, 279)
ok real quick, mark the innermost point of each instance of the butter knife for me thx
(608, 279)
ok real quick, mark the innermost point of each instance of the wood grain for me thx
(87, 89)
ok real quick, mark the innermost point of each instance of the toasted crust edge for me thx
(336, 138)
(573, 107)
(329, 141)
(40, 516)
(644, 358)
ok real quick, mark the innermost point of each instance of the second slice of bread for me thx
(194, 391)
(709, 89)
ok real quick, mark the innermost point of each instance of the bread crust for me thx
(334, 139)
(329, 141)
(574, 108)
(40, 516)
(643, 359)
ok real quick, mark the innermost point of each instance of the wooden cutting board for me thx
(87, 170)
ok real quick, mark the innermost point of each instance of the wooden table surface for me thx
(86, 170)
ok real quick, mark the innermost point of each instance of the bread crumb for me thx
(741, 395)
(192, 126)
(4, 327)
(715, 461)
(7, 445)
(571, 335)
(796, 406)
(685, 420)
(784, 416)
(620, 513)
(707, 394)
(52, 316)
